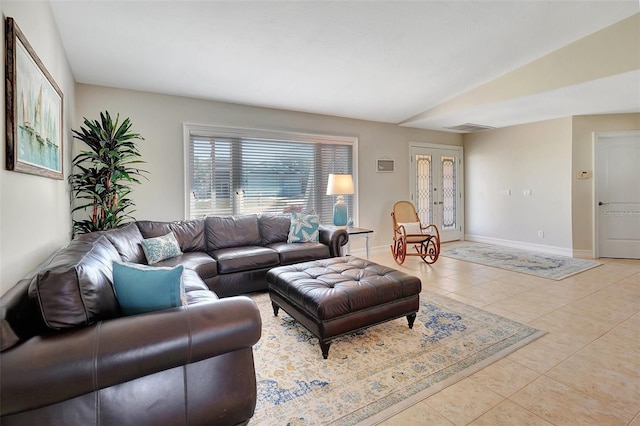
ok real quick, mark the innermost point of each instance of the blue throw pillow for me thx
(161, 248)
(304, 228)
(142, 288)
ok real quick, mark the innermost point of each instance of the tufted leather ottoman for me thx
(335, 296)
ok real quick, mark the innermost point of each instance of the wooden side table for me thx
(359, 233)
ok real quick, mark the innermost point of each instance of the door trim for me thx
(460, 177)
(597, 136)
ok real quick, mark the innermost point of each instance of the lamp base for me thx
(340, 213)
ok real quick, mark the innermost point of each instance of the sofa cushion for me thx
(304, 228)
(244, 258)
(152, 229)
(232, 231)
(274, 228)
(161, 248)
(75, 288)
(127, 240)
(8, 337)
(189, 233)
(192, 282)
(142, 288)
(196, 291)
(203, 264)
(91, 236)
(200, 296)
(300, 252)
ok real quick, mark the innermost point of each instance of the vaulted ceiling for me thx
(425, 64)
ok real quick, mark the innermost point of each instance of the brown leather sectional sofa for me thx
(70, 357)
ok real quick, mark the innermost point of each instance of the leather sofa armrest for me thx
(48, 369)
(334, 238)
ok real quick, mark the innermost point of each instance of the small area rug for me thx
(528, 262)
(373, 374)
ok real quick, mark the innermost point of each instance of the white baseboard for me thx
(541, 248)
(362, 252)
(583, 254)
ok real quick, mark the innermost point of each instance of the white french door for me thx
(436, 187)
(617, 194)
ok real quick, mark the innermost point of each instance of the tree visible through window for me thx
(243, 175)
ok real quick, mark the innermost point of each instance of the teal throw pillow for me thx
(161, 248)
(304, 228)
(142, 288)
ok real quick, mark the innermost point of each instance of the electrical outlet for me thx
(540, 234)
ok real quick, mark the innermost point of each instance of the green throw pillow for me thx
(142, 288)
(304, 228)
(161, 248)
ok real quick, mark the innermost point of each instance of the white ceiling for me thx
(384, 61)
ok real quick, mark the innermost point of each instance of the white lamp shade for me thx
(340, 184)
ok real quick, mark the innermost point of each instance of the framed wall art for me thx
(385, 165)
(34, 108)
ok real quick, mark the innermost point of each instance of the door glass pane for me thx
(448, 193)
(423, 188)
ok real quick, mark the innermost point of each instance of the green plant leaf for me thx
(103, 173)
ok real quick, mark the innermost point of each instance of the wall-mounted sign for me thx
(385, 166)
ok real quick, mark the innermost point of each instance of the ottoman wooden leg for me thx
(276, 308)
(325, 349)
(411, 318)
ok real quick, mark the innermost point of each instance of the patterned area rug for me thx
(373, 374)
(528, 262)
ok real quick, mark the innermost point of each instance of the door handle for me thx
(600, 203)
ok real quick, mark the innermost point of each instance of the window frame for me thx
(265, 134)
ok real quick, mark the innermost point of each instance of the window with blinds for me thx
(244, 174)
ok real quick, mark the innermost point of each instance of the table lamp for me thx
(340, 184)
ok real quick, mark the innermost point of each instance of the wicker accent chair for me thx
(409, 231)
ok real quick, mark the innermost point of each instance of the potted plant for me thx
(104, 174)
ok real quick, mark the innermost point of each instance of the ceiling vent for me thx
(469, 127)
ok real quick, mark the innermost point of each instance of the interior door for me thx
(436, 187)
(617, 194)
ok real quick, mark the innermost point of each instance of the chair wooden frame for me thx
(426, 243)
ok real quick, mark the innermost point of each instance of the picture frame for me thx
(385, 165)
(34, 110)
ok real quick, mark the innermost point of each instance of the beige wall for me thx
(536, 157)
(34, 211)
(544, 157)
(159, 118)
(583, 203)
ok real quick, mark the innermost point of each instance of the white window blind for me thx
(250, 174)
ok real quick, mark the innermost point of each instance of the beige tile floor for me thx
(585, 371)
